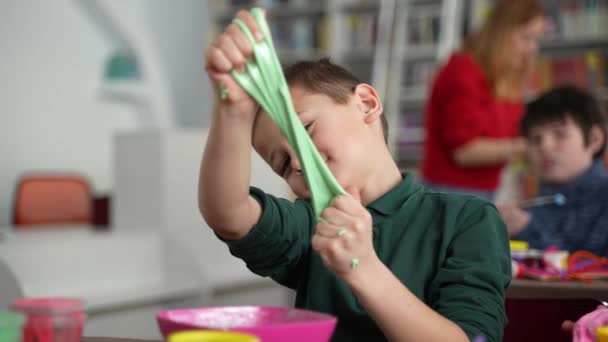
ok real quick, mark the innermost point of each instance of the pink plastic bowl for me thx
(270, 324)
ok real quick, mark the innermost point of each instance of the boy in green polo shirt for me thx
(393, 260)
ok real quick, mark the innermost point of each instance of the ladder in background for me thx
(393, 51)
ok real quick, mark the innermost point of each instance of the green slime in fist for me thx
(265, 82)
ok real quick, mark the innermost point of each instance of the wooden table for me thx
(536, 309)
(534, 289)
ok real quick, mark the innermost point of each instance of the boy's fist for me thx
(229, 51)
(515, 218)
(343, 238)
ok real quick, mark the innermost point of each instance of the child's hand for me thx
(568, 326)
(515, 218)
(344, 238)
(229, 51)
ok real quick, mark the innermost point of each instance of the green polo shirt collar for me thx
(394, 199)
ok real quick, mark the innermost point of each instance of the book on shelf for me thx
(574, 19)
(419, 73)
(362, 30)
(347, 3)
(296, 37)
(570, 19)
(479, 11)
(587, 70)
(304, 37)
(410, 139)
(424, 28)
(227, 5)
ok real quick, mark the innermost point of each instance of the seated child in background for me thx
(566, 132)
(393, 260)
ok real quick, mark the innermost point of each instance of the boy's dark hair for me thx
(324, 77)
(566, 102)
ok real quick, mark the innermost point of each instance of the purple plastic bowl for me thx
(269, 323)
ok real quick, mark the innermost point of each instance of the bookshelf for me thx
(575, 51)
(395, 45)
(281, 10)
(425, 33)
(584, 68)
(298, 27)
(344, 30)
(569, 44)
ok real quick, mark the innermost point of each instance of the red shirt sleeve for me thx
(462, 108)
(460, 103)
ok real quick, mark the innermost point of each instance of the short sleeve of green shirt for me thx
(278, 245)
(469, 287)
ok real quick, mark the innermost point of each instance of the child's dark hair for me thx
(324, 77)
(566, 102)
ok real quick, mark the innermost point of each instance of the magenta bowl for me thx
(269, 323)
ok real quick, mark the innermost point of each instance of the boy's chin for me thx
(552, 178)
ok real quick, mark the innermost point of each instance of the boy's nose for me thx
(546, 144)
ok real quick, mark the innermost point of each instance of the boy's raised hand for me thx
(343, 238)
(515, 218)
(230, 50)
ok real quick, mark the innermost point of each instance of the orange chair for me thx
(52, 200)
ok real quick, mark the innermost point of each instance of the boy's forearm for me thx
(398, 312)
(224, 178)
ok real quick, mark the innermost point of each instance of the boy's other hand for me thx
(230, 50)
(515, 218)
(345, 235)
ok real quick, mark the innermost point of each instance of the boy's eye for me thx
(307, 127)
(536, 139)
(285, 165)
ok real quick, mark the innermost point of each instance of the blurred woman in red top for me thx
(476, 101)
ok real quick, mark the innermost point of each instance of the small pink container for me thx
(51, 319)
(270, 324)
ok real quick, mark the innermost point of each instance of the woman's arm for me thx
(487, 151)
(463, 119)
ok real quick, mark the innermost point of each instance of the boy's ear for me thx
(369, 101)
(596, 138)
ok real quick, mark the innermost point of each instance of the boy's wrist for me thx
(233, 114)
(364, 275)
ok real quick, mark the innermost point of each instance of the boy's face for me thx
(339, 131)
(558, 152)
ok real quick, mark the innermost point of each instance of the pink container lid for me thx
(269, 323)
(48, 306)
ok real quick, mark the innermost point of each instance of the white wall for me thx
(181, 32)
(51, 64)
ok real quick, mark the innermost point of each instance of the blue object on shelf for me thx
(122, 65)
